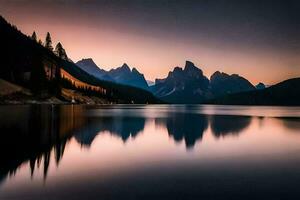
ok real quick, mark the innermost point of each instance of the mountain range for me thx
(28, 64)
(122, 75)
(182, 85)
(190, 85)
(90, 67)
(187, 85)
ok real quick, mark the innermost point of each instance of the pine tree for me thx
(60, 51)
(48, 42)
(33, 36)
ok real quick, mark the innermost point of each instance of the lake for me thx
(149, 152)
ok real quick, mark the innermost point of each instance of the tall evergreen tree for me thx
(33, 36)
(48, 42)
(60, 51)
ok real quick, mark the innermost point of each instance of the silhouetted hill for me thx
(120, 93)
(21, 56)
(222, 84)
(124, 75)
(90, 67)
(19, 53)
(284, 93)
(260, 86)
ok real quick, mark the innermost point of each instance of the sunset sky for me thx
(258, 39)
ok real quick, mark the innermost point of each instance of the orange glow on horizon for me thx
(156, 56)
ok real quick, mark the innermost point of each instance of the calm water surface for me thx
(149, 152)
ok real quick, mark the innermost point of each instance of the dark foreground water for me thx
(149, 152)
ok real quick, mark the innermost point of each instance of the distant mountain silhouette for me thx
(260, 86)
(90, 67)
(22, 56)
(283, 93)
(124, 75)
(187, 85)
(222, 83)
(24, 61)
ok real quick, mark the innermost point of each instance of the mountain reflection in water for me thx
(32, 134)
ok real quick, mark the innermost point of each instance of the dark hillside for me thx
(286, 93)
(21, 56)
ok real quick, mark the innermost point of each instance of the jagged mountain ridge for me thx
(189, 85)
(122, 75)
(182, 85)
(90, 67)
(20, 56)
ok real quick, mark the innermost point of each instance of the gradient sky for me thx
(258, 39)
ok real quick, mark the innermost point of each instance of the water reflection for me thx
(34, 133)
(185, 126)
(223, 125)
(123, 127)
(290, 123)
(30, 133)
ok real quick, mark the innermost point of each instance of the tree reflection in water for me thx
(36, 133)
(30, 133)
